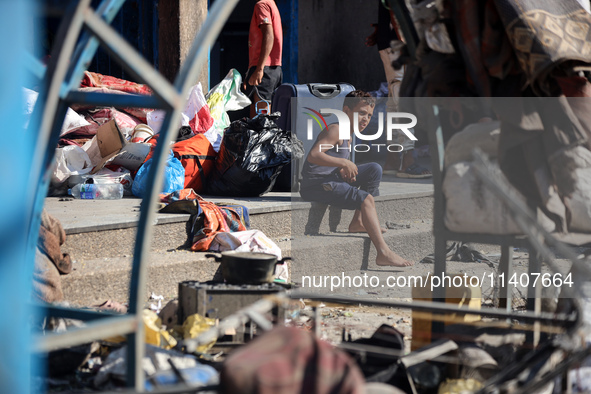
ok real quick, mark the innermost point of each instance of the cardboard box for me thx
(109, 146)
(132, 155)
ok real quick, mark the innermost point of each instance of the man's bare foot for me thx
(359, 228)
(391, 259)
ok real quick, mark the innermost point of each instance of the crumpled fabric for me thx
(180, 201)
(50, 262)
(139, 113)
(96, 80)
(523, 49)
(80, 135)
(290, 360)
(528, 40)
(51, 237)
(214, 219)
(179, 195)
(245, 241)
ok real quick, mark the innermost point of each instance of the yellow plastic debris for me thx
(195, 325)
(155, 335)
(459, 386)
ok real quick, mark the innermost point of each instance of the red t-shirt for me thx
(265, 12)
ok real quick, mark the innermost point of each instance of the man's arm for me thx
(266, 47)
(327, 139)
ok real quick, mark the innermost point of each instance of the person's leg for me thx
(272, 78)
(250, 91)
(368, 178)
(356, 225)
(255, 98)
(385, 256)
(346, 196)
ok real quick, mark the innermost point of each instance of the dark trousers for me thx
(333, 190)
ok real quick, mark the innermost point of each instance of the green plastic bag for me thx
(226, 96)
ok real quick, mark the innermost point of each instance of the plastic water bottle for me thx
(97, 191)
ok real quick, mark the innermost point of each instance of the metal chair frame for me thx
(442, 234)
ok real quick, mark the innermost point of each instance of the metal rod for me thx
(406, 25)
(436, 307)
(513, 370)
(87, 46)
(564, 366)
(233, 321)
(188, 74)
(174, 389)
(35, 66)
(177, 372)
(259, 320)
(75, 314)
(99, 329)
(44, 117)
(114, 100)
(131, 60)
(528, 224)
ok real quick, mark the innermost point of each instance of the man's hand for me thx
(256, 78)
(349, 172)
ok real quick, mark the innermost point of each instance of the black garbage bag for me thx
(252, 153)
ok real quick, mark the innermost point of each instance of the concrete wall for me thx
(193, 14)
(179, 23)
(332, 43)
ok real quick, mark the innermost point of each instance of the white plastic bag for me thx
(226, 96)
(256, 241)
(71, 160)
(196, 113)
(250, 241)
(71, 121)
(245, 241)
(223, 242)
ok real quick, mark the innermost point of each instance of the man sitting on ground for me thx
(329, 177)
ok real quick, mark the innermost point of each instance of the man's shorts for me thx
(333, 190)
(272, 78)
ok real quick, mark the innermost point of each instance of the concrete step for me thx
(96, 280)
(101, 238)
(334, 253)
(113, 238)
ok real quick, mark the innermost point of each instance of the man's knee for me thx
(374, 171)
(368, 201)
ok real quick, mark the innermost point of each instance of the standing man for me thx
(265, 44)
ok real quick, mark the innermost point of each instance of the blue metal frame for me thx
(16, 155)
(62, 78)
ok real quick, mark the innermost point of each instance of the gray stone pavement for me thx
(79, 216)
(101, 235)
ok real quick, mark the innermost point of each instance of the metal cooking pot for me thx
(251, 268)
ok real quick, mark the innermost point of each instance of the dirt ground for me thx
(352, 322)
